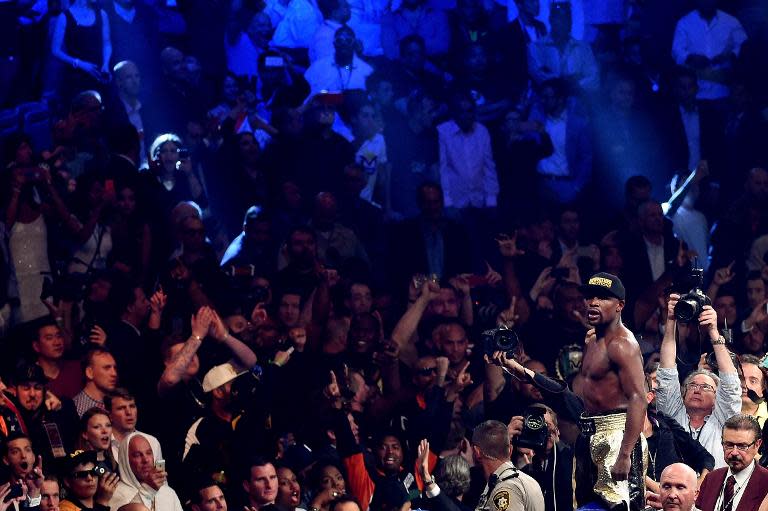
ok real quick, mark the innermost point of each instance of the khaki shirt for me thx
(513, 491)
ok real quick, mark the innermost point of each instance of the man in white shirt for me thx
(295, 21)
(560, 55)
(128, 81)
(342, 71)
(336, 14)
(708, 40)
(744, 483)
(707, 401)
(243, 55)
(467, 169)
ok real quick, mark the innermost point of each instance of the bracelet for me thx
(429, 482)
(720, 341)
(197, 337)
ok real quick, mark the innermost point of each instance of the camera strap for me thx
(54, 439)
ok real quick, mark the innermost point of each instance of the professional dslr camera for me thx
(693, 300)
(535, 431)
(500, 338)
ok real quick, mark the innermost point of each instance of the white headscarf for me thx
(129, 485)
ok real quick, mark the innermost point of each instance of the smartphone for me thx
(16, 491)
(160, 465)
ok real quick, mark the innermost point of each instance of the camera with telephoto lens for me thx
(500, 338)
(535, 432)
(691, 304)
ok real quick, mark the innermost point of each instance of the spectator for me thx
(742, 467)
(563, 175)
(140, 478)
(708, 41)
(466, 159)
(86, 490)
(208, 497)
(335, 14)
(707, 401)
(81, 40)
(559, 55)
(341, 71)
(415, 17)
(100, 372)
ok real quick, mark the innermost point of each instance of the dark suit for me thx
(411, 256)
(751, 496)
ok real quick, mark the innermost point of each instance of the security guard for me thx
(507, 487)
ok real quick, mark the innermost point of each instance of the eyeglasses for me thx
(426, 371)
(703, 387)
(85, 474)
(729, 446)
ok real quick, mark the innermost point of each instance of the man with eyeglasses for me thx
(744, 483)
(706, 400)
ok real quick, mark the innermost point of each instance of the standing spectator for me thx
(81, 40)
(559, 55)
(467, 169)
(341, 71)
(100, 371)
(563, 175)
(706, 401)
(63, 375)
(336, 13)
(295, 22)
(708, 40)
(416, 17)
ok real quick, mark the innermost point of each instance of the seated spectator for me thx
(341, 71)
(141, 480)
(100, 372)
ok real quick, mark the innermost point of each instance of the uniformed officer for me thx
(507, 488)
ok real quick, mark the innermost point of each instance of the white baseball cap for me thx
(221, 374)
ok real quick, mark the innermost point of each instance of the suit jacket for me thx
(751, 497)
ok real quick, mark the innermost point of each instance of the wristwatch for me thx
(720, 341)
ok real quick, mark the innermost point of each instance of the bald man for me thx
(133, 507)
(678, 488)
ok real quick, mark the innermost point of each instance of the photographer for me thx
(542, 455)
(705, 401)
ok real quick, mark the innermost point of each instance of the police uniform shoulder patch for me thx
(501, 500)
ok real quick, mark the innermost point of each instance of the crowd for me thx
(341, 255)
